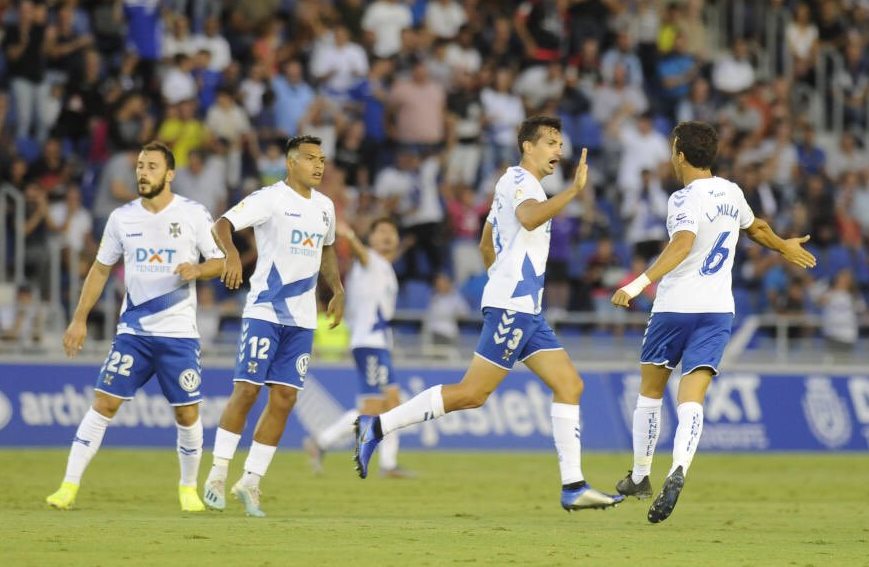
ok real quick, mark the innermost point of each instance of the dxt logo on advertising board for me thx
(305, 243)
(154, 259)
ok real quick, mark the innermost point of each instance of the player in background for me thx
(693, 310)
(372, 289)
(294, 225)
(161, 237)
(515, 247)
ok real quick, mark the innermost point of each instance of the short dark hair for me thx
(296, 141)
(698, 141)
(163, 149)
(383, 220)
(529, 130)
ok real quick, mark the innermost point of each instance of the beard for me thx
(155, 189)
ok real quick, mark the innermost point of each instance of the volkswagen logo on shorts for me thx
(5, 410)
(189, 380)
(302, 364)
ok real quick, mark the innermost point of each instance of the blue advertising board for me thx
(41, 405)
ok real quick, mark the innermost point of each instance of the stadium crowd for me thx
(417, 103)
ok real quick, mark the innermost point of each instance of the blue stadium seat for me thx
(590, 133)
(472, 290)
(28, 148)
(662, 124)
(414, 294)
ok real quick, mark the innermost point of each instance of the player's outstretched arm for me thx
(330, 274)
(487, 246)
(93, 286)
(674, 254)
(360, 251)
(206, 270)
(791, 248)
(231, 270)
(532, 214)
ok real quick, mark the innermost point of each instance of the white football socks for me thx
(332, 435)
(225, 444)
(257, 463)
(85, 444)
(647, 428)
(687, 435)
(565, 431)
(189, 447)
(427, 405)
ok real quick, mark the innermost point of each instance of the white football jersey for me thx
(290, 234)
(715, 210)
(157, 302)
(516, 276)
(371, 294)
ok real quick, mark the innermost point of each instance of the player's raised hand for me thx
(794, 252)
(188, 271)
(231, 274)
(621, 298)
(335, 309)
(581, 176)
(74, 337)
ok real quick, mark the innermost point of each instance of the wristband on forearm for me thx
(637, 286)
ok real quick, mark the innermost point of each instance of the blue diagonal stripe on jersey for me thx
(131, 317)
(530, 284)
(380, 322)
(277, 293)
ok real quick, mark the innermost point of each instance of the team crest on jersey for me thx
(302, 364)
(174, 229)
(189, 380)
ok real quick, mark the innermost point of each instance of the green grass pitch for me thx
(462, 508)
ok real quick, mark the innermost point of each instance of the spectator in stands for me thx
(564, 233)
(622, 54)
(178, 83)
(734, 72)
(502, 112)
(465, 128)
(853, 82)
(642, 147)
(861, 204)
(542, 27)
(812, 158)
(211, 40)
(444, 18)
(801, 36)
(440, 323)
(847, 222)
(177, 40)
(617, 97)
(645, 213)
(252, 90)
(204, 180)
(143, 37)
(466, 217)
(75, 228)
(841, 305)
(743, 116)
(383, 22)
(676, 71)
(847, 158)
(462, 54)
(418, 108)
(501, 44)
(818, 198)
(293, 96)
(539, 84)
(22, 321)
(38, 227)
(272, 165)
(207, 80)
(227, 120)
(698, 105)
(338, 64)
(354, 156)
(182, 131)
(781, 160)
(65, 46)
(117, 185)
(831, 26)
(26, 65)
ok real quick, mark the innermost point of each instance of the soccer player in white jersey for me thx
(161, 237)
(294, 225)
(372, 289)
(693, 311)
(515, 247)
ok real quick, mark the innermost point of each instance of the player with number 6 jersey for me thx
(692, 315)
(294, 225)
(515, 247)
(161, 237)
